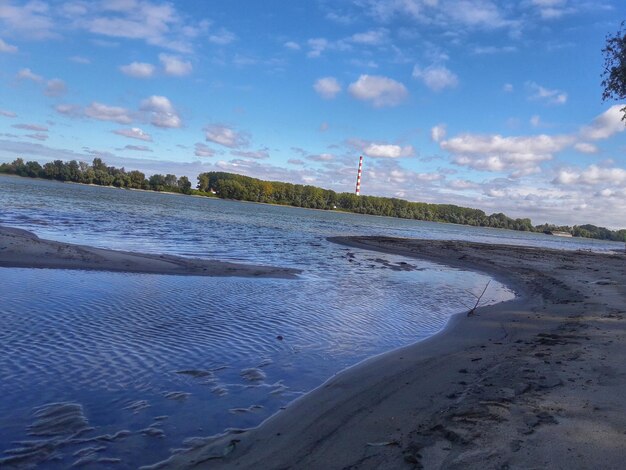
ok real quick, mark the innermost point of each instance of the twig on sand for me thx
(478, 299)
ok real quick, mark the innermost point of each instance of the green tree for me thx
(33, 169)
(184, 185)
(157, 182)
(170, 181)
(203, 182)
(614, 75)
(137, 180)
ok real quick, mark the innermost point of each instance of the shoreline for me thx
(535, 382)
(23, 249)
(339, 211)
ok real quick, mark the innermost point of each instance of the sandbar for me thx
(23, 249)
(536, 382)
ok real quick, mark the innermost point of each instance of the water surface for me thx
(149, 361)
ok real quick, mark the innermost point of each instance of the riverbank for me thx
(22, 249)
(537, 382)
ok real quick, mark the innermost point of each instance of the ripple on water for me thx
(207, 353)
(211, 353)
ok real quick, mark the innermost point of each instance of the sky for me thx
(487, 104)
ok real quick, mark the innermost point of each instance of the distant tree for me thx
(33, 169)
(232, 186)
(73, 171)
(137, 180)
(203, 182)
(614, 75)
(184, 185)
(99, 165)
(170, 181)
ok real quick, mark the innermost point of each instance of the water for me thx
(148, 361)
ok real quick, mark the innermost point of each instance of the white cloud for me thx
(138, 69)
(317, 46)
(31, 127)
(535, 120)
(7, 48)
(80, 60)
(607, 193)
(591, 176)
(370, 64)
(523, 155)
(158, 110)
(201, 150)
(322, 157)
(382, 150)
(507, 88)
(137, 148)
(605, 125)
(327, 87)
(71, 110)
(222, 37)
(436, 77)
(38, 136)
(158, 24)
(32, 19)
(226, 136)
(294, 46)
(134, 133)
(551, 9)
(379, 91)
(429, 176)
(481, 14)
(375, 150)
(339, 18)
(101, 112)
(373, 37)
(438, 132)
(175, 65)
(162, 112)
(463, 184)
(585, 147)
(487, 50)
(73, 9)
(540, 93)
(27, 74)
(255, 155)
(55, 87)
(9, 114)
(519, 155)
(475, 14)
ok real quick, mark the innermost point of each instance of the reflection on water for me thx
(104, 369)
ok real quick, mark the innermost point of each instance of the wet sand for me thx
(537, 382)
(23, 249)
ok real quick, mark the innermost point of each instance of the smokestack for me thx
(358, 176)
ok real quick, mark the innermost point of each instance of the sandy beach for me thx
(537, 382)
(22, 249)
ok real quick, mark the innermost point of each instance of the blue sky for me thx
(487, 104)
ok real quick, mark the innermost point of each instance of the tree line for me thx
(244, 188)
(97, 173)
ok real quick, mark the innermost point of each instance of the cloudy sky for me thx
(482, 103)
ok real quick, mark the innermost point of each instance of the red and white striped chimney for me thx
(358, 176)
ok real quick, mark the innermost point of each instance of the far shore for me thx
(337, 211)
(536, 382)
(22, 249)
